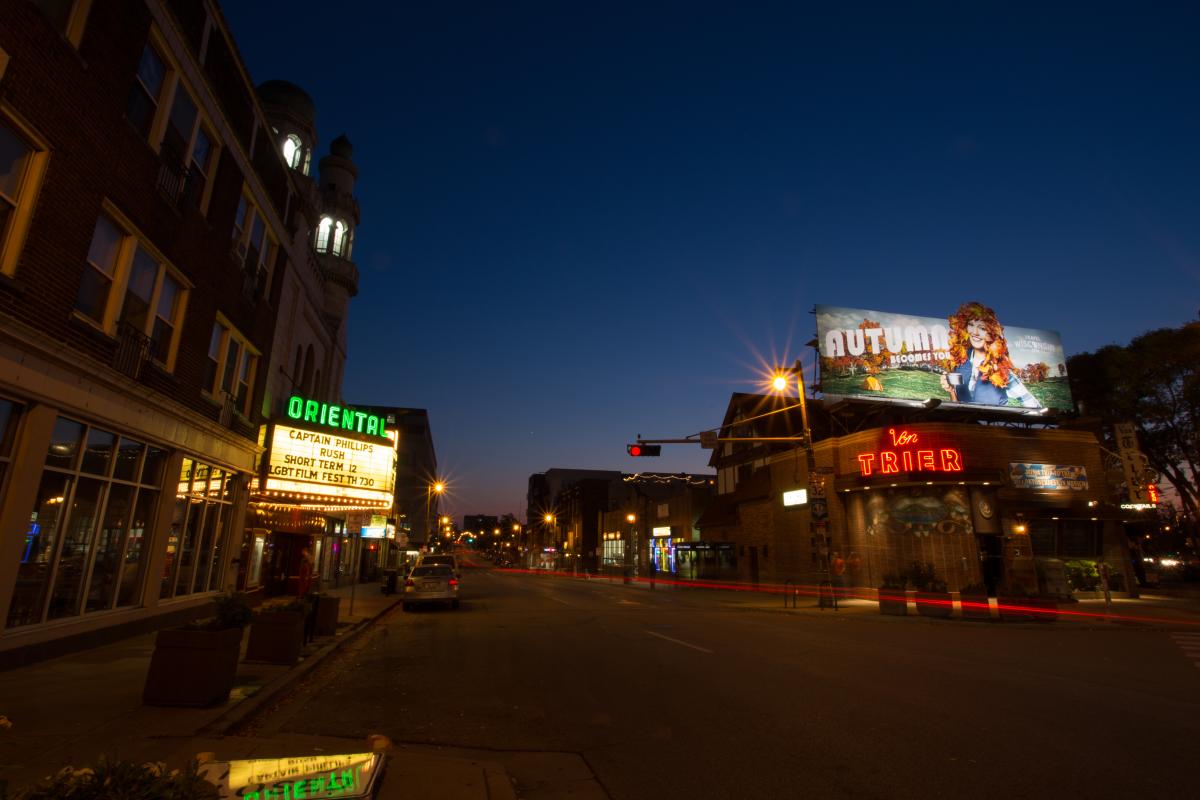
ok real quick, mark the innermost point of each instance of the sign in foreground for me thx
(300, 778)
(967, 357)
(329, 468)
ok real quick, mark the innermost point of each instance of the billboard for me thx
(967, 357)
(330, 469)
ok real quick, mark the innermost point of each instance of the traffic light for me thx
(639, 450)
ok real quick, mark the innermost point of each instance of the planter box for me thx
(1040, 609)
(975, 607)
(893, 602)
(192, 667)
(935, 604)
(276, 637)
(327, 614)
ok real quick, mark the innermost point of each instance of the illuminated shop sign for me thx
(966, 356)
(330, 468)
(1138, 506)
(1048, 477)
(909, 455)
(796, 497)
(328, 415)
(661, 531)
(373, 533)
(309, 777)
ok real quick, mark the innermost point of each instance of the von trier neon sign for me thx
(909, 456)
(336, 417)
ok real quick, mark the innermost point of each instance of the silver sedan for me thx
(430, 584)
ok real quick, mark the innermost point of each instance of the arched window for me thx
(293, 151)
(350, 245)
(323, 234)
(318, 389)
(296, 370)
(339, 237)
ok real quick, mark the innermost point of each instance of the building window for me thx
(339, 237)
(152, 304)
(10, 416)
(253, 245)
(127, 288)
(293, 151)
(199, 530)
(85, 547)
(232, 363)
(67, 16)
(323, 229)
(22, 164)
(187, 149)
(148, 89)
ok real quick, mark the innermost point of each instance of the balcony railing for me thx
(133, 350)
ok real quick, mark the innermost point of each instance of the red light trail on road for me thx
(808, 590)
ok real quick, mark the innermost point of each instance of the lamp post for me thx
(629, 549)
(780, 383)
(437, 487)
(548, 531)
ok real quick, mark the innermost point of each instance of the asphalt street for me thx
(675, 693)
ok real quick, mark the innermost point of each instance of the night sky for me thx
(581, 222)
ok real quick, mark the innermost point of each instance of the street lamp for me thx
(780, 384)
(437, 487)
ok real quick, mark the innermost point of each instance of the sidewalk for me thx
(70, 710)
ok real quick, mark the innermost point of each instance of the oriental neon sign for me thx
(908, 455)
(333, 416)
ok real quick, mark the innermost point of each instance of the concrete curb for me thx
(240, 712)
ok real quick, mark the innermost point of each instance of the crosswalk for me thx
(1189, 643)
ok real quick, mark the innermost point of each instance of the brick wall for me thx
(76, 101)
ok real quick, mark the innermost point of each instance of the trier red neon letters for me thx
(944, 459)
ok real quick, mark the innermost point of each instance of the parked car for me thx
(430, 583)
(444, 559)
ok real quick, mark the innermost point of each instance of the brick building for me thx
(149, 229)
(982, 499)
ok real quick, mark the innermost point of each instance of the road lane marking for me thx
(685, 644)
(564, 602)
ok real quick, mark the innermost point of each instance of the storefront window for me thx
(199, 525)
(84, 544)
(10, 413)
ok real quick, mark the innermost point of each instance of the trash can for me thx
(388, 584)
(326, 614)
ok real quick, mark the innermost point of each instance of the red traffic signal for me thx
(640, 450)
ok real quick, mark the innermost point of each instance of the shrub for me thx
(232, 610)
(923, 578)
(976, 588)
(127, 780)
(894, 580)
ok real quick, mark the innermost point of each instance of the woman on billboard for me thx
(984, 375)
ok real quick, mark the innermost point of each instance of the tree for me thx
(1153, 382)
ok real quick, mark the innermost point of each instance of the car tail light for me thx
(454, 581)
(409, 582)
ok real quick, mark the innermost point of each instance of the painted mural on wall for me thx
(920, 511)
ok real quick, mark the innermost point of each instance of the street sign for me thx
(708, 440)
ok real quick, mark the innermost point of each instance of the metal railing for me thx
(133, 350)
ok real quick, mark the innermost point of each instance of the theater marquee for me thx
(328, 468)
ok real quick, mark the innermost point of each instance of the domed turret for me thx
(287, 96)
(291, 113)
(342, 148)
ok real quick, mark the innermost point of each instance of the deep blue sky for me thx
(585, 221)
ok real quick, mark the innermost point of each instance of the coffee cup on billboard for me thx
(954, 378)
